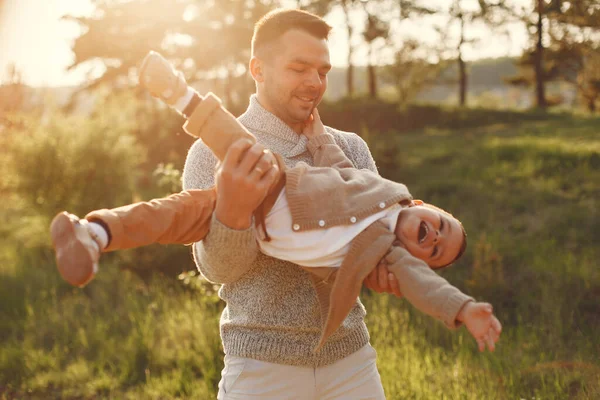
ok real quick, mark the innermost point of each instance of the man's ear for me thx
(256, 69)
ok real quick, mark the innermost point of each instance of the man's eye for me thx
(299, 71)
(435, 251)
(441, 223)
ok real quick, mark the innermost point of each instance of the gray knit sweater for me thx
(272, 312)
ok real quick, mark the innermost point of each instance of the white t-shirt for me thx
(325, 247)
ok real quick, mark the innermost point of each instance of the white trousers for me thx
(352, 378)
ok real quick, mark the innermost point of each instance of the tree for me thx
(378, 16)
(465, 17)
(119, 34)
(205, 39)
(12, 91)
(575, 48)
(323, 7)
(375, 28)
(346, 7)
(535, 17)
(457, 13)
(411, 71)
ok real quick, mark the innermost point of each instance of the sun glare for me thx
(37, 42)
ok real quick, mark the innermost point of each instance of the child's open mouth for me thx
(423, 230)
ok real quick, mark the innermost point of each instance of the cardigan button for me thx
(382, 205)
(321, 223)
(353, 219)
(296, 227)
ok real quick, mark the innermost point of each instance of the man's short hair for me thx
(277, 22)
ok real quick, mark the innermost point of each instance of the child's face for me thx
(429, 234)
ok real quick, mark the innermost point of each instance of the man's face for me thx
(294, 79)
(429, 234)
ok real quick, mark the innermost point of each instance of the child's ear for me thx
(417, 203)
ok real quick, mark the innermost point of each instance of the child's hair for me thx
(463, 247)
(277, 22)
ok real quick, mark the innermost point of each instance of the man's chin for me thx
(301, 116)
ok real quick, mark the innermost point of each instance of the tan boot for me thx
(159, 77)
(77, 248)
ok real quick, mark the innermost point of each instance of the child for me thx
(370, 219)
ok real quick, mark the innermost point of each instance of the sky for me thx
(37, 41)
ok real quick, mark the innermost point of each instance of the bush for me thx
(73, 163)
(360, 114)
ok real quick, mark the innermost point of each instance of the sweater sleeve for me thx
(355, 148)
(424, 289)
(213, 255)
(327, 153)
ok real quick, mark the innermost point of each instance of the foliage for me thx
(572, 27)
(65, 163)
(119, 34)
(525, 195)
(375, 28)
(525, 186)
(117, 338)
(411, 72)
(388, 119)
(574, 50)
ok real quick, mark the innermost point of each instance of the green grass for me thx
(527, 194)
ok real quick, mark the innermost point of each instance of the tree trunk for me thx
(350, 74)
(350, 70)
(372, 77)
(591, 105)
(462, 81)
(462, 68)
(540, 89)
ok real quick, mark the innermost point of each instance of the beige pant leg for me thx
(216, 126)
(181, 218)
(354, 377)
(247, 378)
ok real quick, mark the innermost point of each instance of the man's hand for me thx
(243, 181)
(481, 323)
(313, 125)
(382, 280)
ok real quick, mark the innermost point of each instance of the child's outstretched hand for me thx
(481, 323)
(313, 125)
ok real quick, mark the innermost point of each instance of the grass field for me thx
(527, 193)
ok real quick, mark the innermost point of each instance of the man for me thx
(272, 321)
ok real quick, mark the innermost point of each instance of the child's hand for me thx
(313, 125)
(481, 323)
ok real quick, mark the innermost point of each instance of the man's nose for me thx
(314, 80)
(436, 237)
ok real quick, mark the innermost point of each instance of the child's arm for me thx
(322, 146)
(433, 295)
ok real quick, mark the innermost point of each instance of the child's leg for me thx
(216, 126)
(178, 219)
(206, 117)
(181, 218)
